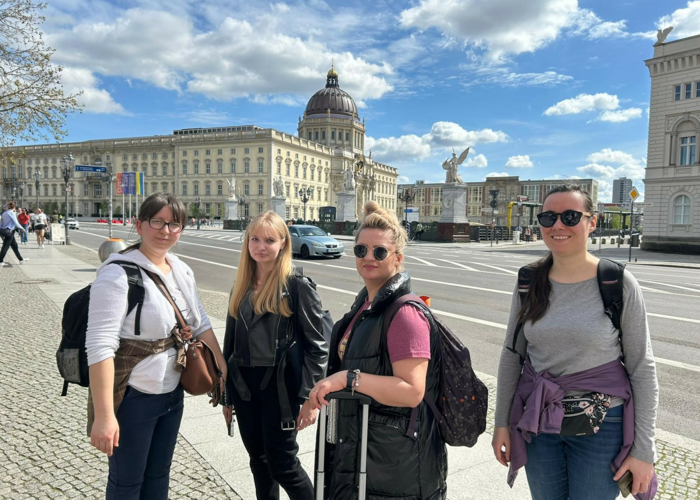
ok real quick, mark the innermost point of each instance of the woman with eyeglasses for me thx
(395, 370)
(135, 356)
(580, 413)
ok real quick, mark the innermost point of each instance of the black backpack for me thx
(71, 356)
(462, 398)
(610, 283)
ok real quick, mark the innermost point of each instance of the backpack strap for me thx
(525, 275)
(610, 283)
(137, 292)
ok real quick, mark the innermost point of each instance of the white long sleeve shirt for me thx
(108, 320)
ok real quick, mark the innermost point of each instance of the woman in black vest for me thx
(396, 370)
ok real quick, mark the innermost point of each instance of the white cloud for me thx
(93, 99)
(582, 103)
(504, 77)
(685, 21)
(611, 156)
(619, 116)
(498, 174)
(597, 171)
(402, 179)
(519, 161)
(608, 29)
(451, 135)
(407, 148)
(478, 161)
(237, 58)
(501, 27)
(629, 166)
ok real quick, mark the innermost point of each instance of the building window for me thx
(46, 190)
(312, 174)
(246, 167)
(677, 93)
(316, 135)
(279, 168)
(287, 190)
(310, 136)
(260, 189)
(154, 156)
(697, 89)
(165, 169)
(246, 189)
(196, 167)
(260, 150)
(688, 90)
(184, 168)
(304, 171)
(164, 156)
(196, 189)
(155, 170)
(207, 208)
(287, 170)
(220, 152)
(246, 209)
(681, 210)
(246, 151)
(207, 152)
(688, 150)
(326, 175)
(196, 152)
(233, 151)
(233, 166)
(207, 168)
(184, 153)
(53, 172)
(261, 207)
(55, 192)
(98, 190)
(260, 167)
(296, 171)
(86, 191)
(323, 135)
(207, 189)
(184, 189)
(219, 189)
(220, 167)
(125, 157)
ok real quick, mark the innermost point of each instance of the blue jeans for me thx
(575, 467)
(24, 233)
(139, 468)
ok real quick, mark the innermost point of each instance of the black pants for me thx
(272, 451)
(7, 243)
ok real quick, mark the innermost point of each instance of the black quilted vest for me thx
(398, 466)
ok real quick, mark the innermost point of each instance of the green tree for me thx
(118, 211)
(32, 102)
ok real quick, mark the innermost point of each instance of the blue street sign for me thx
(90, 168)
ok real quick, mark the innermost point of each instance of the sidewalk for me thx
(46, 453)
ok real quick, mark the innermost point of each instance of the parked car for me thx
(73, 224)
(310, 241)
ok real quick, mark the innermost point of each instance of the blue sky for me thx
(537, 88)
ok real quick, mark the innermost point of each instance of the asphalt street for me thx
(471, 287)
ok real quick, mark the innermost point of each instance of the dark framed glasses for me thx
(568, 218)
(360, 250)
(175, 227)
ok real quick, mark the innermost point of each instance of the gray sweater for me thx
(575, 335)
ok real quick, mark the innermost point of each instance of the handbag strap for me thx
(182, 323)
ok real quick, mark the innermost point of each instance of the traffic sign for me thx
(521, 197)
(494, 203)
(634, 194)
(90, 168)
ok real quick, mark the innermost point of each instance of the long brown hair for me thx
(536, 301)
(269, 299)
(154, 204)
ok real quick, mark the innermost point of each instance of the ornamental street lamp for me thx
(21, 194)
(37, 178)
(305, 195)
(407, 197)
(67, 163)
(197, 204)
(241, 203)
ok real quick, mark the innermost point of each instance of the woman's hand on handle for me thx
(336, 382)
(105, 434)
(501, 445)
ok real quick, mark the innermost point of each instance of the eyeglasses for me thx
(175, 227)
(568, 218)
(360, 251)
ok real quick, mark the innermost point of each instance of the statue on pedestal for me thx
(452, 166)
(278, 187)
(348, 181)
(231, 188)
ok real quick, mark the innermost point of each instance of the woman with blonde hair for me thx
(396, 369)
(40, 224)
(276, 352)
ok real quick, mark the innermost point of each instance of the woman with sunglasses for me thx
(572, 366)
(396, 370)
(276, 352)
(135, 357)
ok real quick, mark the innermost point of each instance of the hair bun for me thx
(372, 207)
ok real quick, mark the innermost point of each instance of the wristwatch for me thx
(353, 380)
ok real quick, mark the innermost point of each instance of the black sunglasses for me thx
(568, 218)
(360, 250)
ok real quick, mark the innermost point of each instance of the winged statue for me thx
(452, 166)
(662, 34)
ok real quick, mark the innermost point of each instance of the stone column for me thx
(279, 206)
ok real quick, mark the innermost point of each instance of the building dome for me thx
(331, 98)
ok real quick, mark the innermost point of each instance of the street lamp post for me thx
(21, 194)
(494, 204)
(67, 163)
(37, 178)
(197, 204)
(407, 197)
(305, 194)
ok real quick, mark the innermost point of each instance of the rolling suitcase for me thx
(321, 448)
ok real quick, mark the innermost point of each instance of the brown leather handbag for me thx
(202, 374)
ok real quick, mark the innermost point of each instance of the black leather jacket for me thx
(259, 340)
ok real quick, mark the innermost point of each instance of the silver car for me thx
(308, 241)
(73, 224)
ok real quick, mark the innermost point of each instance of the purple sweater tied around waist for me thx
(537, 408)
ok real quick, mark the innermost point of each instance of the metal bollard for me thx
(112, 245)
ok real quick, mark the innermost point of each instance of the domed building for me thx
(331, 118)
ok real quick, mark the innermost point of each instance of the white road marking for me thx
(665, 292)
(672, 286)
(182, 256)
(178, 243)
(423, 261)
(677, 364)
(460, 265)
(498, 268)
(677, 318)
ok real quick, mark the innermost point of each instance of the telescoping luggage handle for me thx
(321, 450)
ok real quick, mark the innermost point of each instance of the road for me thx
(471, 289)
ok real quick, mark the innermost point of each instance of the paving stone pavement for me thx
(44, 453)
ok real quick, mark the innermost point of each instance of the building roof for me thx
(332, 98)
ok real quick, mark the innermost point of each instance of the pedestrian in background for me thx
(8, 224)
(419, 232)
(272, 314)
(23, 218)
(528, 233)
(135, 393)
(396, 371)
(568, 333)
(40, 225)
